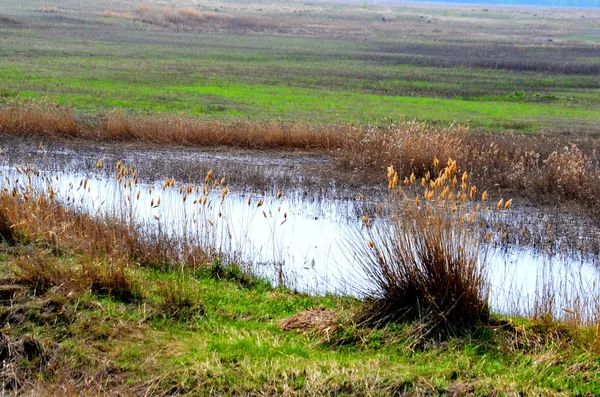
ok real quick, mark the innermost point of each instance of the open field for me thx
(497, 69)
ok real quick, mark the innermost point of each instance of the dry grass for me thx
(57, 231)
(408, 147)
(547, 169)
(49, 10)
(32, 211)
(108, 247)
(319, 319)
(184, 130)
(24, 116)
(423, 263)
(190, 18)
(115, 14)
(424, 258)
(43, 272)
(21, 359)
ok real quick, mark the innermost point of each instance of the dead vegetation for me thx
(30, 218)
(177, 129)
(39, 117)
(319, 319)
(190, 18)
(49, 10)
(424, 263)
(549, 169)
(21, 359)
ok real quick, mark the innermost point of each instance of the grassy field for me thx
(230, 342)
(500, 69)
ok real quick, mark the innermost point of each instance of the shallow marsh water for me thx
(301, 238)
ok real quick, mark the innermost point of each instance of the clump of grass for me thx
(178, 299)
(423, 263)
(43, 272)
(234, 272)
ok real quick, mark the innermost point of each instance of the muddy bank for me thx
(308, 173)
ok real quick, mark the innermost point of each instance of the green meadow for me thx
(96, 63)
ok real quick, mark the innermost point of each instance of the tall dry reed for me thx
(183, 130)
(422, 261)
(30, 116)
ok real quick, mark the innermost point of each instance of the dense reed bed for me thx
(549, 169)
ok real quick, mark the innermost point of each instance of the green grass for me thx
(97, 64)
(228, 98)
(235, 345)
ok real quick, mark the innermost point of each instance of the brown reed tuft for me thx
(40, 117)
(421, 261)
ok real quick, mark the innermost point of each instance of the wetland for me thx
(300, 198)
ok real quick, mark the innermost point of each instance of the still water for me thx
(305, 243)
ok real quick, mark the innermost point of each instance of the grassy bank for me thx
(198, 335)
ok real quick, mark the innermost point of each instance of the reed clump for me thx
(57, 231)
(407, 146)
(550, 170)
(421, 261)
(179, 129)
(34, 208)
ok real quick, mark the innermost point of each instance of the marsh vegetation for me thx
(298, 199)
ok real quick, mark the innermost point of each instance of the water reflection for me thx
(302, 243)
